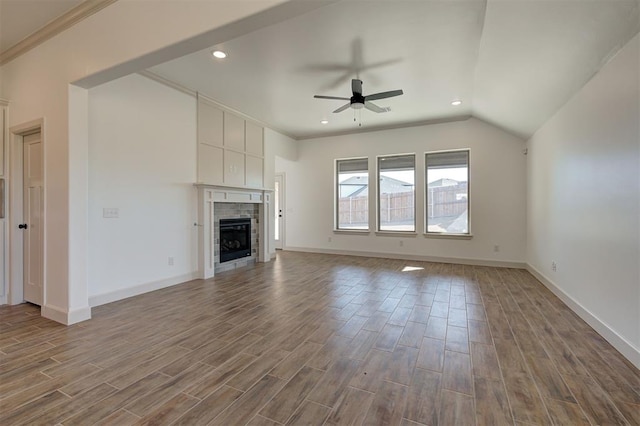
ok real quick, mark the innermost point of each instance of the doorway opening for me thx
(279, 206)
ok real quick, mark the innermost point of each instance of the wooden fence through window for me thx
(443, 201)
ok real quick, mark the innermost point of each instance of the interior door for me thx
(33, 215)
(278, 198)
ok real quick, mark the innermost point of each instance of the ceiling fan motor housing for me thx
(357, 101)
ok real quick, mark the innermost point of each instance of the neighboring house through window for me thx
(352, 204)
(396, 193)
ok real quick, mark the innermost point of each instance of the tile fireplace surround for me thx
(235, 211)
(217, 202)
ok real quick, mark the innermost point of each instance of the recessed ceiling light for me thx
(324, 122)
(219, 54)
(456, 102)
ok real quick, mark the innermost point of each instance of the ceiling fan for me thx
(358, 101)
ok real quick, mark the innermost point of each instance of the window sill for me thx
(448, 236)
(405, 234)
(352, 231)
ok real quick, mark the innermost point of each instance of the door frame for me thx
(16, 209)
(282, 205)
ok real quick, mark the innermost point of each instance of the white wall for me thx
(584, 202)
(277, 147)
(37, 85)
(497, 197)
(142, 160)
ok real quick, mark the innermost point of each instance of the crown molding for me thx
(53, 28)
(169, 83)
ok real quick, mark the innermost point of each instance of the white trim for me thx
(282, 203)
(169, 83)
(54, 313)
(352, 231)
(448, 236)
(103, 299)
(227, 188)
(625, 347)
(53, 28)
(403, 256)
(57, 314)
(401, 234)
(15, 210)
(78, 315)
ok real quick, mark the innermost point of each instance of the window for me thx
(447, 192)
(396, 193)
(352, 205)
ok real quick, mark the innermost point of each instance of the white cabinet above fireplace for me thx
(230, 148)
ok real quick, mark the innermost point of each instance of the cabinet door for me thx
(233, 132)
(209, 124)
(254, 172)
(210, 166)
(254, 139)
(233, 168)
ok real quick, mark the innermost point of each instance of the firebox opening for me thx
(235, 239)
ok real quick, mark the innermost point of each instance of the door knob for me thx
(23, 226)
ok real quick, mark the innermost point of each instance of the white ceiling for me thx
(512, 62)
(20, 18)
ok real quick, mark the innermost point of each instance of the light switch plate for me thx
(110, 212)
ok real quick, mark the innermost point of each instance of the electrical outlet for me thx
(329, 239)
(110, 212)
(496, 248)
(401, 243)
(170, 261)
(554, 267)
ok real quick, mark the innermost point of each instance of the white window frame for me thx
(468, 234)
(415, 204)
(336, 198)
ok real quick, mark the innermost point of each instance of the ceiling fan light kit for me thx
(358, 100)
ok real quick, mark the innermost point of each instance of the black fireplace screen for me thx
(235, 239)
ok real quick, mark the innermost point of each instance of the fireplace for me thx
(235, 239)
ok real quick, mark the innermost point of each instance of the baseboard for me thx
(78, 315)
(54, 313)
(103, 299)
(65, 317)
(403, 256)
(620, 343)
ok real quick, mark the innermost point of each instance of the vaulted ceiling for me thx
(512, 63)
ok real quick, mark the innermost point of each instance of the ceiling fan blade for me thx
(331, 97)
(342, 108)
(383, 95)
(373, 107)
(356, 86)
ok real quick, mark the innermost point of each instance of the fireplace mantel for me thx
(208, 197)
(230, 194)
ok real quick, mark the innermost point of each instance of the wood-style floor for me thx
(320, 339)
